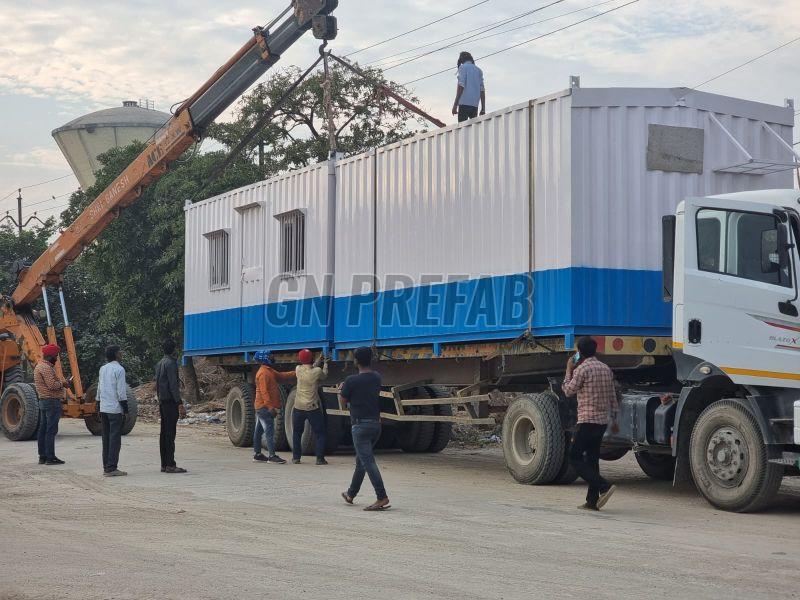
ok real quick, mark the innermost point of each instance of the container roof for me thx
(128, 115)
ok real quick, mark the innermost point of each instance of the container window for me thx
(293, 243)
(219, 260)
(741, 244)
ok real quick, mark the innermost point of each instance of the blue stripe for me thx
(567, 302)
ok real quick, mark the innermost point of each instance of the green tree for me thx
(27, 247)
(298, 134)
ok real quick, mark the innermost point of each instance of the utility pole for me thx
(18, 222)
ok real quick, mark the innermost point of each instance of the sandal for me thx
(347, 498)
(379, 505)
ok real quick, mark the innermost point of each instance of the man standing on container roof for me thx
(593, 382)
(470, 89)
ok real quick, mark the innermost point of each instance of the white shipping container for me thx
(543, 217)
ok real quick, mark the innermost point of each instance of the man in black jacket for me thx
(170, 405)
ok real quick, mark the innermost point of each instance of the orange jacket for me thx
(267, 393)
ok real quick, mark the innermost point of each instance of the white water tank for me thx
(83, 139)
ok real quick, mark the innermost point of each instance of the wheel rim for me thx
(727, 456)
(236, 414)
(12, 411)
(523, 440)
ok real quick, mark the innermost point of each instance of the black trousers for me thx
(584, 456)
(169, 425)
(112, 439)
(466, 112)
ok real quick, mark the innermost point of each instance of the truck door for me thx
(253, 230)
(740, 291)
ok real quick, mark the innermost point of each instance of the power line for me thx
(48, 199)
(481, 29)
(25, 187)
(504, 32)
(405, 33)
(744, 64)
(533, 39)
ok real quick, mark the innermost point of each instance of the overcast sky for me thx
(61, 60)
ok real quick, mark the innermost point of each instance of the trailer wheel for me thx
(612, 453)
(533, 439)
(566, 474)
(441, 431)
(416, 436)
(281, 443)
(240, 416)
(93, 422)
(657, 466)
(730, 461)
(19, 412)
(333, 431)
(133, 412)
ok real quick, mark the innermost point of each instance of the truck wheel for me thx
(240, 416)
(416, 436)
(19, 411)
(133, 412)
(441, 431)
(657, 466)
(13, 375)
(533, 439)
(93, 422)
(281, 443)
(729, 459)
(388, 439)
(333, 431)
(566, 474)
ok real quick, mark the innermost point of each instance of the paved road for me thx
(460, 528)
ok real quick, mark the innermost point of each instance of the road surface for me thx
(459, 528)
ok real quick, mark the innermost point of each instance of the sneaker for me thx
(54, 461)
(174, 470)
(295, 461)
(42, 460)
(115, 473)
(277, 460)
(322, 461)
(587, 506)
(605, 496)
(260, 458)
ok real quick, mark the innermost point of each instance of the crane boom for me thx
(19, 334)
(252, 60)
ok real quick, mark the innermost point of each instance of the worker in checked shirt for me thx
(593, 383)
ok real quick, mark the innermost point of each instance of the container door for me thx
(740, 291)
(252, 273)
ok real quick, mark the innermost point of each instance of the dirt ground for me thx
(459, 528)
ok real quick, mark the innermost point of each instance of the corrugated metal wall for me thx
(452, 205)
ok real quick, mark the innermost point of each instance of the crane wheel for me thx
(19, 412)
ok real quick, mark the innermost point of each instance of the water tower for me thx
(85, 138)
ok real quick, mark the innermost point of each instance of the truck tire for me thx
(441, 431)
(657, 466)
(130, 419)
(240, 416)
(281, 443)
(333, 432)
(730, 461)
(533, 439)
(12, 376)
(566, 474)
(93, 422)
(388, 439)
(416, 436)
(19, 412)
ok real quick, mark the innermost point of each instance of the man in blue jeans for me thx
(50, 387)
(362, 394)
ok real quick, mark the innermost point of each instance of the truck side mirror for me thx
(784, 249)
(668, 255)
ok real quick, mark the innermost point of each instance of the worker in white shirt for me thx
(470, 90)
(112, 393)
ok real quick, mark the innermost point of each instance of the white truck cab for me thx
(731, 270)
